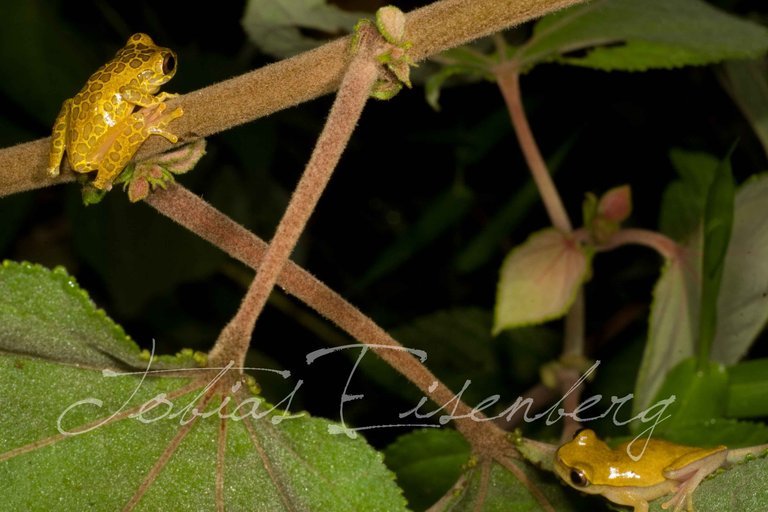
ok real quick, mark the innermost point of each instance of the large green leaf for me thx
(78, 433)
(673, 325)
(743, 488)
(633, 35)
(717, 228)
(275, 25)
(742, 305)
(747, 389)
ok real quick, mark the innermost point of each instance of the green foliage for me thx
(717, 226)
(48, 367)
(496, 489)
(747, 389)
(627, 35)
(745, 488)
(682, 205)
(464, 61)
(700, 394)
(275, 25)
(741, 304)
(427, 463)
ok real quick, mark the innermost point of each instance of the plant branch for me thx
(508, 78)
(192, 212)
(441, 25)
(662, 244)
(355, 89)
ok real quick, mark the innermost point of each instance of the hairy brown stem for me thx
(508, 78)
(192, 212)
(355, 89)
(432, 29)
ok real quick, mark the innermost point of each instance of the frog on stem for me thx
(588, 464)
(98, 127)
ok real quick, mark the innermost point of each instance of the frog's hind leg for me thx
(125, 141)
(690, 476)
(59, 139)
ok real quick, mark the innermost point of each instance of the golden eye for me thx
(169, 63)
(578, 478)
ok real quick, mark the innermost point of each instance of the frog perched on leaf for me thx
(659, 468)
(99, 127)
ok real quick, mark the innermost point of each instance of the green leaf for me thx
(718, 224)
(682, 205)
(427, 463)
(747, 83)
(729, 432)
(743, 488)
(742, 304)
(434, 84)
(276, 26)
(747, 389)
(470, 62)
(45, 314)
(699, 395)
(629, 35)
(58, 452)
(489, 487)
(673, 325)
(539, 280)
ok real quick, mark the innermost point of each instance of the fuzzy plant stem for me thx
(508, 79)
(192, 212)
(665, 246)
(355, 89)
(436, 27)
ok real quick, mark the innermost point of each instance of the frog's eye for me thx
(169, 64)
(578, 478)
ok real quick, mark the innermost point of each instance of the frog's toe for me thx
(53, 171)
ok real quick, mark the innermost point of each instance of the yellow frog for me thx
(588, 464)
(99, 129)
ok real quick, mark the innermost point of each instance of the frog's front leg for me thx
(129, 136)
(689, 478)
(144, 99)
(59, 138)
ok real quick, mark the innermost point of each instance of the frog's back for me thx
(99, 104)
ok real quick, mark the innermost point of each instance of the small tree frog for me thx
(636, 477)
(98, 127)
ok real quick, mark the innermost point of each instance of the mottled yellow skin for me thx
(588, 464)
(99, 129)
